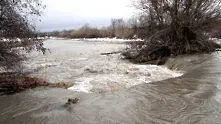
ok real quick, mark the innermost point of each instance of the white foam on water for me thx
(133, 75)
(83, 85)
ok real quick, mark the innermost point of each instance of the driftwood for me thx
(111, 53)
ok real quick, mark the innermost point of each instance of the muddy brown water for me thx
(193, 98)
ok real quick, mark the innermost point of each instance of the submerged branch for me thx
(13, 83)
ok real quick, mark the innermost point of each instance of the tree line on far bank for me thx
(118, 28)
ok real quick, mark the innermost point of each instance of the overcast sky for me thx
(69, 14)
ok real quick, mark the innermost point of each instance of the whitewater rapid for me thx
(82, 64)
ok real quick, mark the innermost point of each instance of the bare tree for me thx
(177, 26)
(120, 25)
(113, 26)
(132, 23)
(16, 31)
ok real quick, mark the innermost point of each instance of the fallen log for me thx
(111, 53)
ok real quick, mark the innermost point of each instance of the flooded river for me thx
(186, 90)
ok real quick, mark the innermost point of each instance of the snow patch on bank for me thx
(107, 40)
(216, 40)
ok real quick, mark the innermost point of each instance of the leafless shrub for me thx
(17, 32)
(174, 27)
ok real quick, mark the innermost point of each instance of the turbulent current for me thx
(186, 90)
